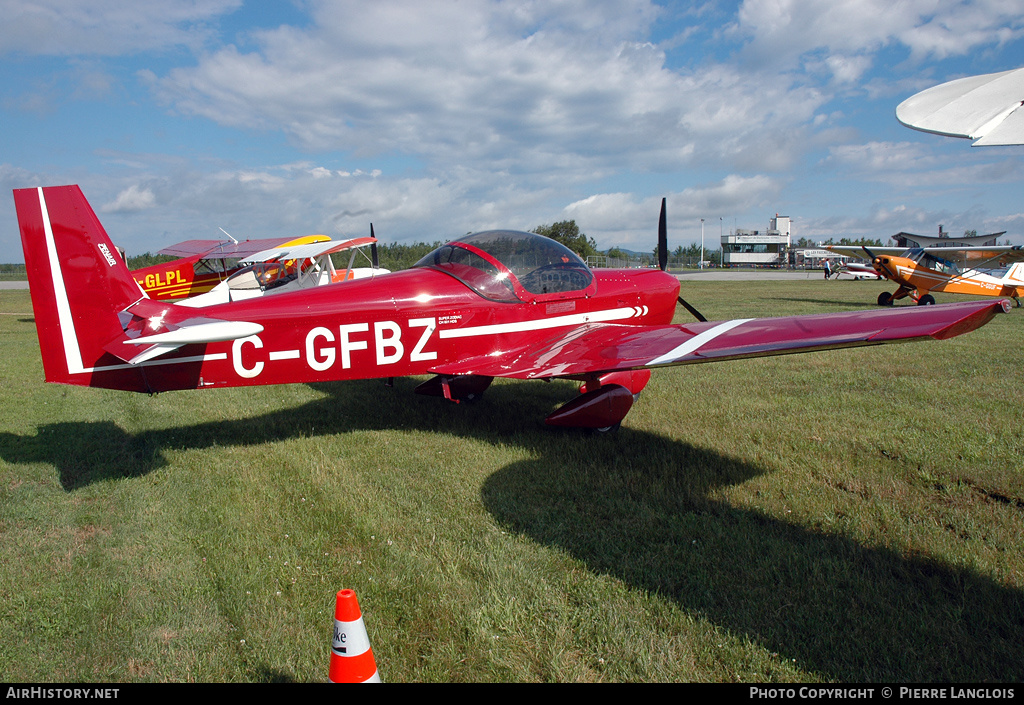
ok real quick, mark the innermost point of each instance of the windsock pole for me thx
(351, 655)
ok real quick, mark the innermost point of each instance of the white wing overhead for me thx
(985, 109)
(307, 251)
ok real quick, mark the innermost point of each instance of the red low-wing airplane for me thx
(493, 304)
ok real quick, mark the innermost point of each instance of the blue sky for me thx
(435, 119)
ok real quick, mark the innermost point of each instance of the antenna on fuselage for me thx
(663, 258)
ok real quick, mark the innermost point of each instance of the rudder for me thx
(77, 281)
(1015, 274)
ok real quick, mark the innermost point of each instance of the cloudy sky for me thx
(433, 119)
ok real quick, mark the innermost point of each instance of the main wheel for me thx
(885, 299)
(926, 300)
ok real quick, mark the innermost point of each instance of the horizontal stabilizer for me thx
(151, 352)
(213, 332)
(189, 332)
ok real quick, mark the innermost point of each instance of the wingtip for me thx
(979, 314)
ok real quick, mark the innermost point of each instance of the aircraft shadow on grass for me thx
(640, 507)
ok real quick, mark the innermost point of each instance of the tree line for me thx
(854, 242)
(397, 256)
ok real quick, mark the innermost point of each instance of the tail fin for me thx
(1015, 274)
(78, 283)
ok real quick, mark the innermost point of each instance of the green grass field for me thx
(847, 516)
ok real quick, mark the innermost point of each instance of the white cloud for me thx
(629, 220)
(883, 157)
(916, 165)
(130, 200)
(106, 27)
(783, 32)
(515, 89)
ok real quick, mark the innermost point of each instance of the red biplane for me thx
(203, 264)
(291, 267)
(494, 304)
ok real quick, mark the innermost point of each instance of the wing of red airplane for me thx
(597, 348)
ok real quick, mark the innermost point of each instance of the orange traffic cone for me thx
(351, 656)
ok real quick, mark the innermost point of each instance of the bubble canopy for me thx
(512, 266)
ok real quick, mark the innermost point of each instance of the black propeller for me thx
(373, 250)
(663, 259)
(662, 239)
(871, 258)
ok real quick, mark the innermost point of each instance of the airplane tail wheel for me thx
(885, 299)
(926, 300)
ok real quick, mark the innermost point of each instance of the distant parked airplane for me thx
(858, 270)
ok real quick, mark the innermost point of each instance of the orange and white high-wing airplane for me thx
(996, 270)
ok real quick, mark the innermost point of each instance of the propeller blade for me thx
(884, 271)
(694, 312)
(663, 259)
(373, 250)
(662, 239)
